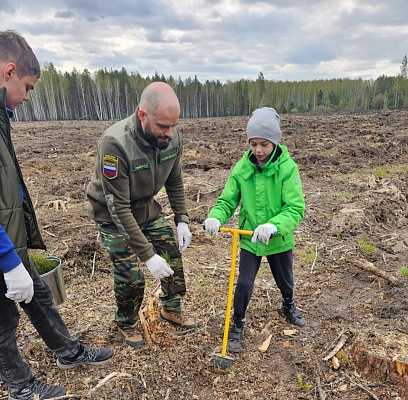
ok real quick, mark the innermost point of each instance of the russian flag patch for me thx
(110, 166)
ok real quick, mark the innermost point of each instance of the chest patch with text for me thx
(139, 167)
(168, 157)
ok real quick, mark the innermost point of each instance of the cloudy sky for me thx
(217, 39)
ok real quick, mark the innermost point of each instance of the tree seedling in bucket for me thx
(49, 269)
(43, 264)
(222, 361)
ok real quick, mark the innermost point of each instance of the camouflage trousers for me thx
(129, 281)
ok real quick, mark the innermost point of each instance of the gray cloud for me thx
(215, 39)
(64, 14)
(8, 7)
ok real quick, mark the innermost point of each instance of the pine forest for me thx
(114, 94)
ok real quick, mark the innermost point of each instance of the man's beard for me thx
(153, 140)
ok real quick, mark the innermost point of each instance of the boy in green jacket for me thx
(267, 183)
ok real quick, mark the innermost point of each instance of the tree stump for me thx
(381, 369)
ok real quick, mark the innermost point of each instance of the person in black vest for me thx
(19, 281)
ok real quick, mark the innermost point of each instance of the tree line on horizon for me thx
(114, 94)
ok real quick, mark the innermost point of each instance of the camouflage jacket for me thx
(129, 174)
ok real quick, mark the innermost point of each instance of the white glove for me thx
(19, 284)
(263, 233)
(212, 226)
(158, 267)
(184, 235)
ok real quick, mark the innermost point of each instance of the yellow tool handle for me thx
(235, 233)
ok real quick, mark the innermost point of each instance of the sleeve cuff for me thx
(9, 261)
(181, 218)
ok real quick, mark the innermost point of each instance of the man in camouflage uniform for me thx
(136, 158)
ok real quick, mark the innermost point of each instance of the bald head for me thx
(159, 113)
(159, 97)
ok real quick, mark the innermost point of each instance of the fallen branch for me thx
(184, 332)
(369, 267)
(81, 226)
(107, 378)
(49, 233)
(94, 258)
(373, 396)
(269, 298)
(93, 264)
(314, 261)
(340, 344)
(330, 385)
(320, 391)
(214, 268)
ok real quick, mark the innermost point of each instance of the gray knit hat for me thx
(264, 124)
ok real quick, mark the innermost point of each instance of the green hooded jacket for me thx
(17, 217)
(271, 193)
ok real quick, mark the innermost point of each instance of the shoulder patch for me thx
(110, 166)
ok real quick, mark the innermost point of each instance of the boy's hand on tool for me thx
(158, 267)
(212, 226)
(263, 233)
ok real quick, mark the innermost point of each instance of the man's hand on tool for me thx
(184, 235)
(263, 233)
(19, 284)
(212, 226)
(158, 267)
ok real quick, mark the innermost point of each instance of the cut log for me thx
(369, 267)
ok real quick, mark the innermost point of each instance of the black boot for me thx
(235, 337)
(293, 315)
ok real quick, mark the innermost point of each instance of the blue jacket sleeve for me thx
(8, 256)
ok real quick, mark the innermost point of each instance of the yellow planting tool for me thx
(221, 361)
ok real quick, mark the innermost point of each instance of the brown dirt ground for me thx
(354, 169)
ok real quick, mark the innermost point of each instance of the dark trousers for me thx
(281, 266)
(46, 319)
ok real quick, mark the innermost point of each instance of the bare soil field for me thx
(349, 251)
